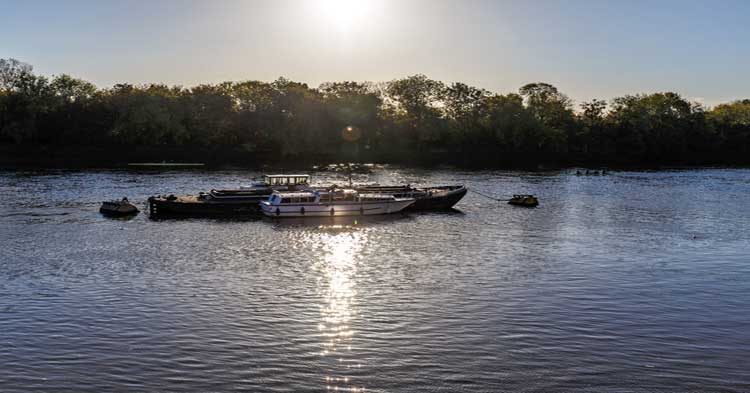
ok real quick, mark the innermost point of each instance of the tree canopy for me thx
(407, 117)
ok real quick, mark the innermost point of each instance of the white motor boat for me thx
(338, 202)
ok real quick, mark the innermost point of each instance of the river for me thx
(634, 281)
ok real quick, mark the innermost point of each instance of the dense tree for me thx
(465, 106)
(410, 117)
(731, 122)
(554, 110)
(417, 103)
(13, 73)
(653, 125)
(591, 134)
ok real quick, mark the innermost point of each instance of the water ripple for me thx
(632, 282)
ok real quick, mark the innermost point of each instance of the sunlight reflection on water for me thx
(338, 268)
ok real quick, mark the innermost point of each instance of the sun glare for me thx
(345, 13)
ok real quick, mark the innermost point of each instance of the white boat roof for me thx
(297, 194)
(282, 176)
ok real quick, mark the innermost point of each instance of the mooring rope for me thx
(488, 196)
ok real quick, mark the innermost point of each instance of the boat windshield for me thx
(286, 180)
(344, 196)
(291, 198)
(375, 197)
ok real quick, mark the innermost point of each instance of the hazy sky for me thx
(589, 49)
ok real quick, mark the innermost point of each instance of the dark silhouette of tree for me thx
(416, 102)
(404, 119)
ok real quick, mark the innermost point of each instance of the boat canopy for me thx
(286, 180)
(300, 194)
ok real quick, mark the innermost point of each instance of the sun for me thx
(345, 13)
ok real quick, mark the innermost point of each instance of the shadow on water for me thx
(450, 212)
(308, 222)
(129, 217)
(207, 218)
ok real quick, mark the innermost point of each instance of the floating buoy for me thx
(524, 200)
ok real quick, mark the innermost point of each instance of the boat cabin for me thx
(286, 180)
(281, 182)
(286, 198)
(325, 197)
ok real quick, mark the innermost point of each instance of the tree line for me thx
(405, 118)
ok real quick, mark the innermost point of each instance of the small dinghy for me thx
(524, 200)
(118, 208)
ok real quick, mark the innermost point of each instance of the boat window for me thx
(285, 200)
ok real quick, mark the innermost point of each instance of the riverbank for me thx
(18, 157)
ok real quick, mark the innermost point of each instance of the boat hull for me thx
(427, 199)
(192, 206)
(118, 209)
(441, 199)
(334, 210)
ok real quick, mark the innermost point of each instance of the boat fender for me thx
(332, 212)
(278, 212)
(361, 210)
(302, 210)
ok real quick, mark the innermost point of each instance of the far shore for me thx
(145, 157)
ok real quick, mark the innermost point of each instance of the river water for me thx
(629, 282)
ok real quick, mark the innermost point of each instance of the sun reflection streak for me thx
(338, 289)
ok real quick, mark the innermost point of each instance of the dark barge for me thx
(246, 201)
(427, 199)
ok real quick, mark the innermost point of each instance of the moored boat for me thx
(426, 198)
(122, 207)
(524, 200)
(243, 201)
(333, 202)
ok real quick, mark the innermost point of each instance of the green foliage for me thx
(412, 116)
(732, 121)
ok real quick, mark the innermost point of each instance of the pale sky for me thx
(588, 49)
